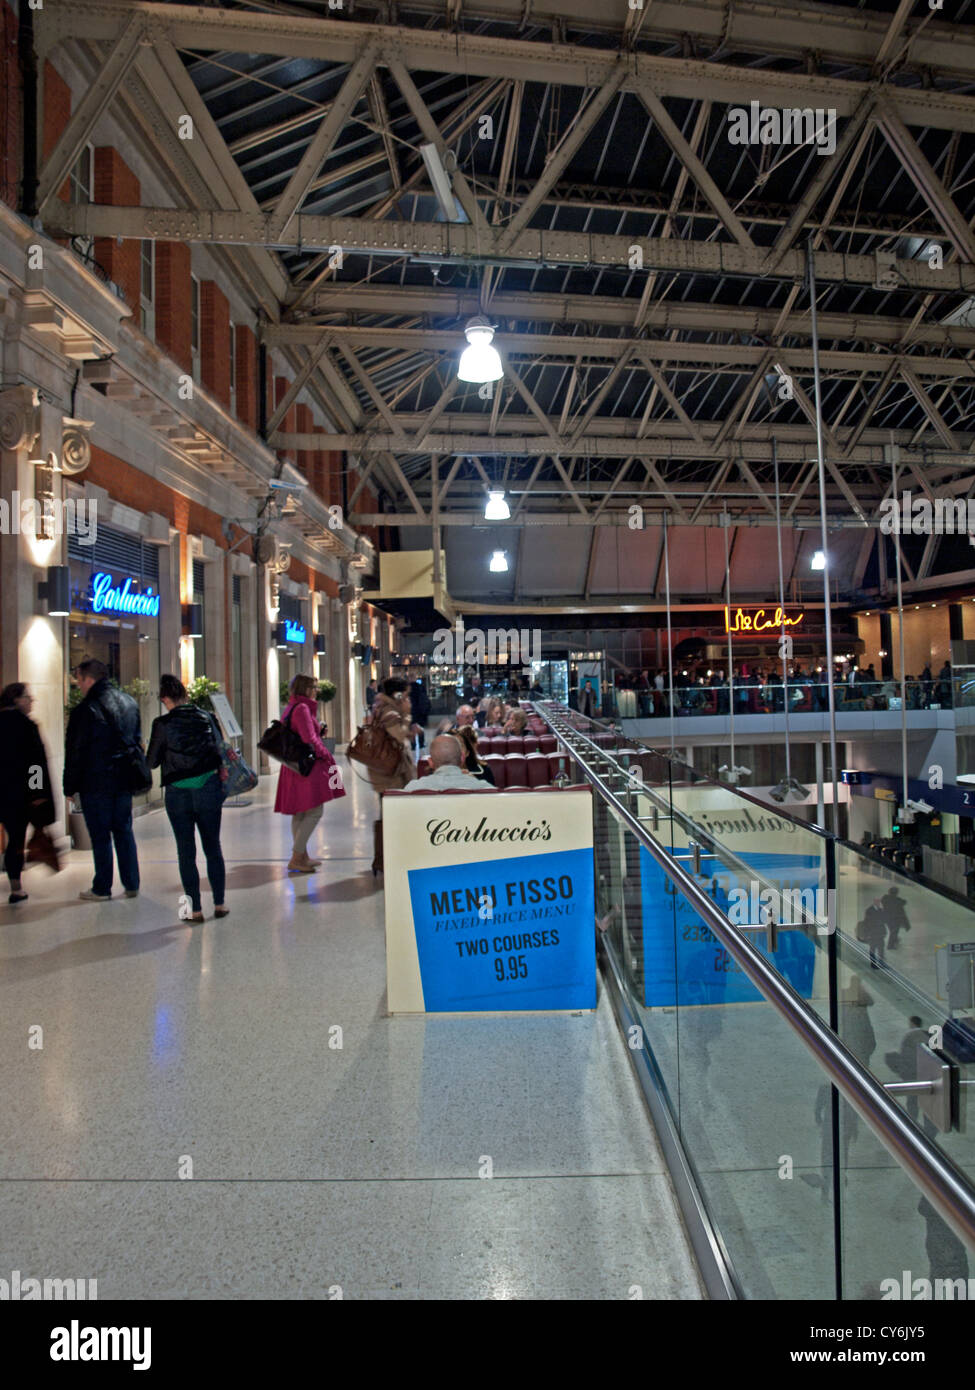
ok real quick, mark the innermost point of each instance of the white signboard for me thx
(221, 708)
(489, 901)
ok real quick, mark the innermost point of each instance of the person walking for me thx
(420, 708)
(184, 744)
(303, 798)
(101, 729)
(894, 915)
(872, 931)
(392, 713)
(26, 794)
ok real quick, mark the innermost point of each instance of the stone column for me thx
(38, 447)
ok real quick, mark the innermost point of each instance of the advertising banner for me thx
(489, 901)
(683, 961)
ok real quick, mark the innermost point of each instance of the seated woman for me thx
(517, 722)
(495, 714)
(472, 762)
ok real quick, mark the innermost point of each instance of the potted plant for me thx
(327, 690)
(200, 691)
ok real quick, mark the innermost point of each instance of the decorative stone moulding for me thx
(20, 417)
(75, 446)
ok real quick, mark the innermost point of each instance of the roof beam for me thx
(929, 408)
(558, 161)
(433, 136)
(932, 190)
(672, 133)
(95, 101)
(467, 434)
(733, 357)
(409, 300)
(425, 49)
(461, 243)
(320, 146)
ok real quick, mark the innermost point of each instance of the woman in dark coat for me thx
(26, 796)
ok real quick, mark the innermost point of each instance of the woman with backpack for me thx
(303, 798)
(185, 744)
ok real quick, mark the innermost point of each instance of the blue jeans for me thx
(189, 808)
(109, 817)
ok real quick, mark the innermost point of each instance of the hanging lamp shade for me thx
(479, 361)
(499, 562)
(496, 508)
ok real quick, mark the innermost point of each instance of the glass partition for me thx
(887, 962)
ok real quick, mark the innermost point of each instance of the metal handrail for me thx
(945, 1186)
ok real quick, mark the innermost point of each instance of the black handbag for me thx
(130, 763)
(280, 742)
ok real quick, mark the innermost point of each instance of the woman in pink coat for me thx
(302, 798)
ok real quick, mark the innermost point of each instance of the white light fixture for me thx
(499, 562)
(440, 180)
(818, 561)
(496, 508)
(479, 361)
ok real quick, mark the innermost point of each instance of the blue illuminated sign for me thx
(293, 632)
(106, 597)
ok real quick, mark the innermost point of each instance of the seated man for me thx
(447, 774)
(465, 718)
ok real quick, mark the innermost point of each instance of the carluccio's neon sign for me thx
(750, 622)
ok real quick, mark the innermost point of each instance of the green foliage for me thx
(284, 692)
(138, 689)
(200, 691)
(327, 690)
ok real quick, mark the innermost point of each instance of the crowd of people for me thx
(762, 689)
(105, 766)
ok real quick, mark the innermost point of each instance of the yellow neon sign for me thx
(761, 620)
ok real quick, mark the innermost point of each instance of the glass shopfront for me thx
(115, 606)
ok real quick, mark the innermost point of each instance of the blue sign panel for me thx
(684, 963)
(507, 933)
(293, 632)
(107, 597)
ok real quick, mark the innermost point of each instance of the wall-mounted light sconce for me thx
(57, 591)
(319, 644)
(281, 636)
(193, 619)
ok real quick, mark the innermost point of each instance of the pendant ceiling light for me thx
(479, 361)
(496, 508)
(499, 562)
(818, 561)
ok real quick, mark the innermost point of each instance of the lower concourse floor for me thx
(191, 1128)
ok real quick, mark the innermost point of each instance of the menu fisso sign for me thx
(489, 901)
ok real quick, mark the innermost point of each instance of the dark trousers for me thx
(198, 808)
(15, 824)
(109, 818)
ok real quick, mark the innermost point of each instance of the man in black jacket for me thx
(100, 728)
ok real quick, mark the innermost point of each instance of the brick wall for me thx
(116, 185)
(174, 329)
(246, 384)
(215, 340)
(10, 109)
(305, 458)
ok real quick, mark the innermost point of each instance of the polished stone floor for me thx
(190, 1127)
